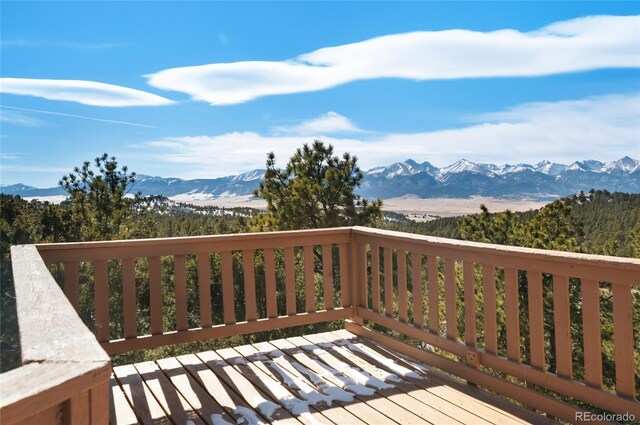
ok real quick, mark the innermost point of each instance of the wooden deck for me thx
(328, 378)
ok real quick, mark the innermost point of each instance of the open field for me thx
(448, 207)
(416, 208)
(413, 206)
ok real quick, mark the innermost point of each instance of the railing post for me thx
(356, 278)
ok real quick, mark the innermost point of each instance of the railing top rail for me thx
(50, 328)
(236, 237)
(630, 264)
(105, 250)
(56, 251)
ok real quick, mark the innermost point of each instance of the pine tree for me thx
(315, 190)
(100, 199)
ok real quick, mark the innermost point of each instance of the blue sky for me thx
(205, 89)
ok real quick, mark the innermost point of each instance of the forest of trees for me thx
(320, 185)
(597, 222)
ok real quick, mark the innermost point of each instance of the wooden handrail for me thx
(65, 372)
(360, 274)
(587, 266)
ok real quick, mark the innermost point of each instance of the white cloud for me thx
(329, 123)
(86, 92)
(604, 128)
(570, 46)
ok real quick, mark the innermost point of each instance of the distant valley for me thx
(463, 179)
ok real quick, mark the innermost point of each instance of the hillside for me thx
(610, 223)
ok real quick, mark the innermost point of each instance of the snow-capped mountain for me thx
(544, 180)
(241, 184)
(549, 168)
(464, 178)
(407, 168)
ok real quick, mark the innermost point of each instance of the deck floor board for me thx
(329, 378)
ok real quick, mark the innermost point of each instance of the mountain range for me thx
(462, 179)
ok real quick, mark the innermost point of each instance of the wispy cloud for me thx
(34, 169)
(19, 42)
(22, 42)
(329, 123)
(569, 46)
(86, 92)
(222, 37)
(39, 111)
(9, 156)
(606, 127)
(18, 118)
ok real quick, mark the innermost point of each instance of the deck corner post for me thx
(99, 403)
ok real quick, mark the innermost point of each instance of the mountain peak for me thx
(461, 166)
(628, 164)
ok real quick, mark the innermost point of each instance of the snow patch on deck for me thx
(247, 416)
(388, 363)
(216, 419)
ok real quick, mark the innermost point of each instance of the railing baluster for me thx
(249, 273)
(375, 278)
(345, 294)
(309, 280)
(101, 299)
(204, 285)
(129, 298)
(623, 340)
(228, 297)
(155, 295)
(536, 319)
(72, 282)
(432, 294)
(512, 313)
(327, 276)
(591, 332)
(180, 283)
(270, 283)
(470, 336)
(388, 281)
(402, 284)
(416, 287)
(561, 316)
(490, 317)
(290, 279)
(450, 297)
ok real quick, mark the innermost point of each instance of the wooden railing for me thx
(466, 285)
(233, 259)
(64, 375)
(146, 293)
